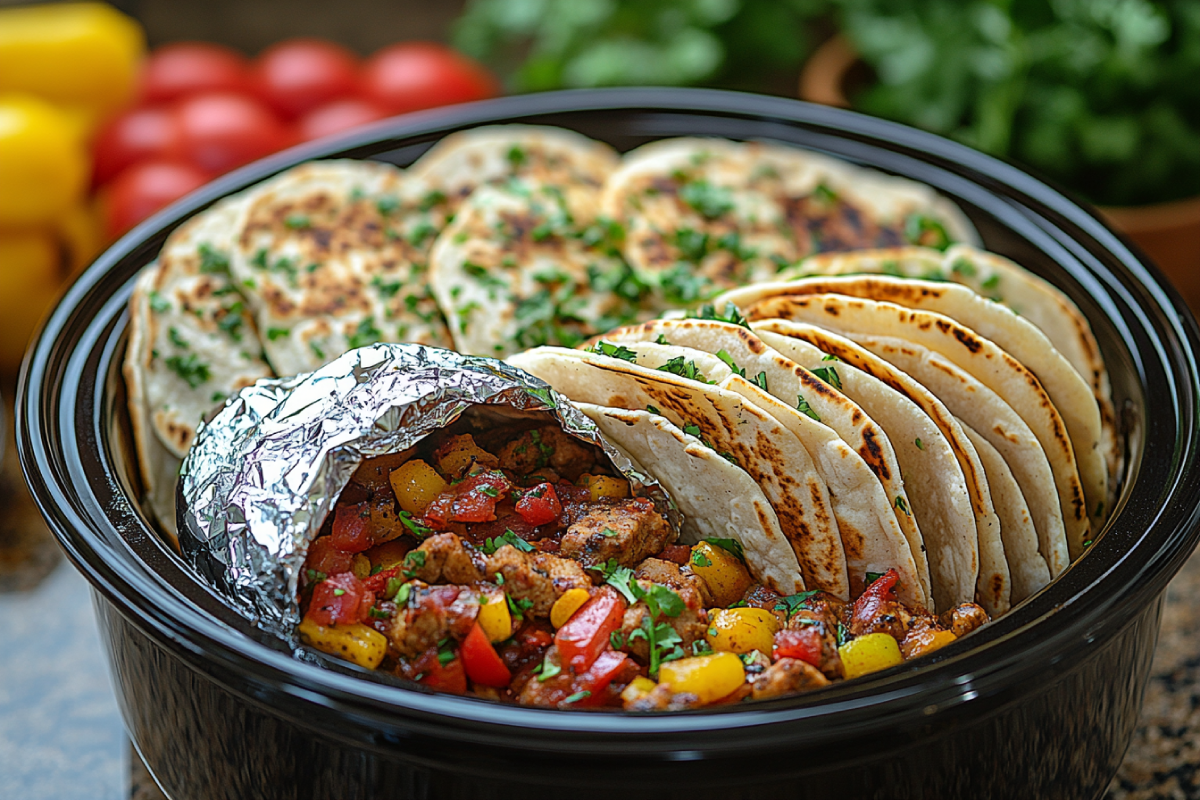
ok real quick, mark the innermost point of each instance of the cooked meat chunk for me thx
(539, 578)
(624, 530)
(431, 614)
(687, 584)
(963, 619)
(879, 615)
(661, 698)
(692, 622)
(449, 558)
(821, 618)
(788, 676)
(547, 447)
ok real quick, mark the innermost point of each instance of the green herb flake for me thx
(902, 505)
(653, 410)
(730, 315)
(491, 545)
(159, 304)
(706, 199)
(575, 698)
(760, 380)
(699, 559)
(297, 221)
(190, 369)
(365, 334)
(684, 369)
(804, 408)
(723, 354)
(414, 561)
(732, 546)
(213, 261)
(176, 339)
(613, 351)
(386, 205)
(549, 670)
(829, 375)
(793, 603)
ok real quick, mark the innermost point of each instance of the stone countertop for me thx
(61, 736)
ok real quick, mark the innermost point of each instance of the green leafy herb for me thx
(681, 284)
(871, 577)
(613, 351)
(653, 410)
(792, 603)
(190, 369)
(159, 304)
(446, 652)
(723, 354)
(829, 375)
(517, 607)
(804, 408)
(732, 546)
(699, 559)
(902, 505)
(548, 670)
(386, 289)
(919, 444)
(706, 199)
(413, 561)
(365, 334)
(338, 592)
(386, 205)
(760, 380)
(297, 221)
(692, 244)
(213, 261)
(730, 315)
(176, 339)
(684, 369)
(315, 576)
(516, 156)
(431, 199)
(491, 545)
(231, 321)
(991, 282)
(583, 694)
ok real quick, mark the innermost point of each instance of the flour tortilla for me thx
(717, 498)
(1025, 563)
(722, 419)
(1071, 395)
(974, 354)
(997, 422)
(332, 255)
(1006, 282)
(515, 270)
(850, 451)
(991, 581)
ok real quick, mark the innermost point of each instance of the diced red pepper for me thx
(378, 582)
(802, 643)
(352, 527)
(481, 661)
(539, 505)
(598, 676)
(340, 598)
(585, 635)
(476, 497)
(324, 558)
(448, 677)
(882, 590)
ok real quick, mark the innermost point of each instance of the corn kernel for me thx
(416, 484)
(708, 677)
(870, 653)
(726, 576)
(741, 630)
(566, 606)
(357, 643)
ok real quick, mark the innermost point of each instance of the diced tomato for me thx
(352, 528)
(324, 557)
(882, 590)
(679, 553)
(539, 505)
(481, 662)
(378, 582)
(802, 643)
(340, 598)
(607, 666)
(585, 634)
(476, 497)
(448, 677)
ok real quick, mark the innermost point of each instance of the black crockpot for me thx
(1041, 703)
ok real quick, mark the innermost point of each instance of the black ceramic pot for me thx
(1041, 703)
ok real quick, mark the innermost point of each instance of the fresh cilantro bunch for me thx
(1100, 95)
(550, 44)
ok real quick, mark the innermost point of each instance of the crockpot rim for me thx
(879, 694)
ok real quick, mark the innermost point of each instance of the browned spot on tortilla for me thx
(872, 453)
(753, 343)
(997, 587)
(966, 338)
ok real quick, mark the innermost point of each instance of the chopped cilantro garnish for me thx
(432, 199)
(414, 527)
(902, 505)
(700, 560)
(297, 221)
(366, 333)
(824, 195)
(923, 230)
(176, 339)
(991, 282)
(386, 205)
(386, 289)
(692, 244)
(613, 351)
(760, 380)
(315, 576)
(684, 369)
(918, 443)
(653, 410)
(680, 284)
(829, 375)
(804, 408)
(231, 322)
(490, 545)
(548, 670)
(962, 266)
(730, 315)
(576, 697)
(158, 303)
(415, 560)
(792, 603)
(830, 357)
(275, 334)
(517, 607)
(708, 200)
(212, 261)
(338, 592)
(732, 546)
(723, 354)
(871, 577)
(190, 368)
(446, 652)
(516, 156)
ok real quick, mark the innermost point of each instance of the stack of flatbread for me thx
(861, 388)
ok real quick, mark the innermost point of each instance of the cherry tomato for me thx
(378, 582)
(180, 69)
(352, 528)
(136, 135)
(338, 116)
(481, 662)
(223, 131)
(585, 635)
(882, 590)
(340, 598)
(324, 557)
(476, 497)
(802, 643)
(415, 75)
(146, 187)
(598, 676)
(298, 75)
(539, 505)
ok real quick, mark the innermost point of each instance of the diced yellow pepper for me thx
(708, 677)
(566, 606)
(726, 576)
(870, 653)
(360, 565)
(926, 642)
(741, 630)
(356, 643)
(638, 687)
(456, 456)
(416, 484)
(388, 554)
(605, 486)
(495, 618)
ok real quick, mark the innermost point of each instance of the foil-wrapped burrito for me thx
(266, 471)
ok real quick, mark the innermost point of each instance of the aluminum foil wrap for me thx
(268, 468)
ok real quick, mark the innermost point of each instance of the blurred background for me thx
(110, 111)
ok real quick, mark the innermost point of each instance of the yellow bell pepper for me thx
(43, 164)
(360, 565)
(708, 677)
(388, 554)
(605, 486)
(82, 56)
(416, 484)
(870, 653)
(566, 606)
(638, 687)
(725, 574)
(357, 643)
(495, 618)
(741, 630)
